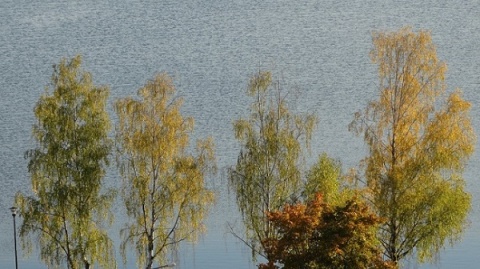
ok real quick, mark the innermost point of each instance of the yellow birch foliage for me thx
(419, 139)
(67, 212)
(267, 173)
(164, 186)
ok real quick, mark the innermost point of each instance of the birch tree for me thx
(419, 139)
(267, 172)
(67, 212)
(164, 188)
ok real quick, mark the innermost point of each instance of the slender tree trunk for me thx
(150, 252)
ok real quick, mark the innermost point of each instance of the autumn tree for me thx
(164, 186)
(419, 140)
(67, 212)
(326, 177)
(319, 235)
(267, 172)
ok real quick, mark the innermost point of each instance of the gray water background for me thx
(212, 48)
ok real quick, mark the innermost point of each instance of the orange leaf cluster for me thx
(317, 235)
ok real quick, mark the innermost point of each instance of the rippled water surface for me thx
(212, 48)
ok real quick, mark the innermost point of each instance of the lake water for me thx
(212, 48)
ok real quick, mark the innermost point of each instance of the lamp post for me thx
(14, 213)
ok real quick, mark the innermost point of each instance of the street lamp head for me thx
(14, 211)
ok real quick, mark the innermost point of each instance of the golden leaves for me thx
(416, 143)
(67, 210)
(164, 186)
(267, 170)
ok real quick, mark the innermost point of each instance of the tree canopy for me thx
(319, 235)
(419, 140)
(164, 188)
(326, 177)
(67, 213)
(267, 172)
